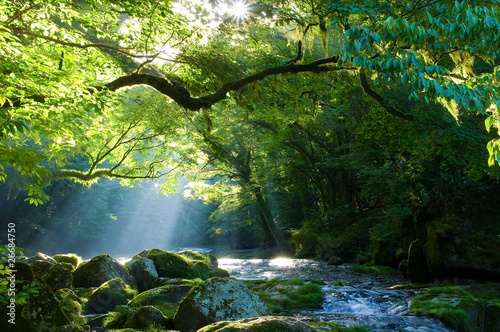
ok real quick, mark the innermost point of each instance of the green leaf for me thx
(489, 122)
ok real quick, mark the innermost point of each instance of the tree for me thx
(64, 61)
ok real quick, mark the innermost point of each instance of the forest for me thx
(361, 130)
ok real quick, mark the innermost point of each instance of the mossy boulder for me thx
(40, 257)
(418, 270)
(172, 265)
(335, 260)
(98, 270)
(145, 316)
(403, 268)
(40, 268)
(58, 277)
(214, 300)
(260, 324)
(457, 246)
(71, 305)
(492, 317)
(107, 296)
(160, 295)
(42, 311)
(218, 272)
(144, 272)
(72, 259)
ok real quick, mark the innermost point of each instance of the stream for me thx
(367, 302)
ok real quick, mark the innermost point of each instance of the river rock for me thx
(492, 317)
(107, 296)
(214, 300)
(146, 316)
(98, 270)
(260, 324)
(144, 272)
(42, 311)
(40, 257)
(418, 271)
(58, 277)
(172, 265)
(72, 259)
(40, 268)
(161, 295)
(334, 260)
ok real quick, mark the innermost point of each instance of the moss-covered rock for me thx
(98, 270)
(72, 259)
(41, 313)
(172, 265)
(335, 260)
(457, 246)
(218, 272)
(215, 300)
(418, 271)
(403, 268)
(144, 272)
(160, 295)
(71, 305)
(260, 324)
(492, 317)
(40, 257)
(58, 277)
(40, 268)
(107, 296)
(145, 316)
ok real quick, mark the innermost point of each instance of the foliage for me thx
(375, 269)
(20, 295)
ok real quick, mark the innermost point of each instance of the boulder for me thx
(98, 270)
(418, 271)
(260, 324)
(107, 296)
(218, 272)
(72, 259)
(492, 317)
(71, 304)
(144, 272)
(172, 265)
(456, 246)
(40, 268)
(40, 257)
(58, 277)
(160, 295)
(214, 300)
(41, 313)
(403, 268)
(146, 316)
(334, 260)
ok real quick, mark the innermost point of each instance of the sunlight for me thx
(239, 10)
(282, 262)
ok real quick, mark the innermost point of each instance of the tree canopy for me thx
(150, 89)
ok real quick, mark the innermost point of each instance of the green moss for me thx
(117, 319)
(295, 281)
(294, 294)
(341, 283)
(326, 326)
(375, 269)
(72, 259)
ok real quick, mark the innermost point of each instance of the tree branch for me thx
(389, 109)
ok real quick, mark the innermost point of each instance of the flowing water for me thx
(367, 302)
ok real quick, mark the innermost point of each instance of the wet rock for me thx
(72, 305)
(58, 277)
(98, 270)
(334, 260)
(260, 324)
(403, 268)
(418, 271)
(144, 272)
(107, 296)
(214, 300)
(146, 316)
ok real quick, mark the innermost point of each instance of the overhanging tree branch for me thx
(389, 109)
